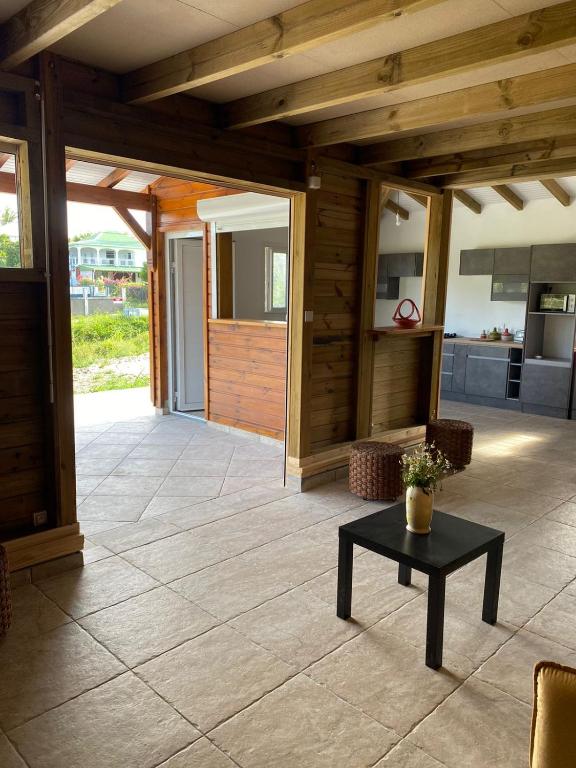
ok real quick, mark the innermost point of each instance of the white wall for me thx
(469, 308)
(249, 271)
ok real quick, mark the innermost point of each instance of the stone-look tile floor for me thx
(201, 632)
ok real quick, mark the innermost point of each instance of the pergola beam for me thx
(509, 195)
(4, 157)
(506, 40)
(557, 191)
(295, 30)
(393, 207)
(113, 178)
(534, 89)
(467, 200)
(420, 199)
(546, 169)
(43, 23)
(139, 233)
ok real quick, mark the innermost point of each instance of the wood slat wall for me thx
(24, 470)
(177, 202)
(337, 247)
(247, 375)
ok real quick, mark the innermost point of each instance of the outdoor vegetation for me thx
(9, 247)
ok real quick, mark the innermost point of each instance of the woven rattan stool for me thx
(454, 438)
(376, 470)
(5, 598)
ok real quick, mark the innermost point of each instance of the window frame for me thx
(270, 249)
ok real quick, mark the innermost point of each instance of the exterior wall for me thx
(249, 271)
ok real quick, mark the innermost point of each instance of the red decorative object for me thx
(409, 320)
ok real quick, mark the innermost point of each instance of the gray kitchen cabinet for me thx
(446, 382)
(545, 385)
(512, 261)
(405, 264)
(459, 368)
(509, 287)
(487, 350)
(553, 263)
(486, 376)
(477, 262)
(387, 287)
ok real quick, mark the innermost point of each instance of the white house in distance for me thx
(113, 255)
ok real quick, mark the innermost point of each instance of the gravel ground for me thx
(85, 379)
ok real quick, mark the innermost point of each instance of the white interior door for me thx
(189, 330)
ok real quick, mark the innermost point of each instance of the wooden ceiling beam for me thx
(557, 191)
(295, 30)
(393, 207)
(42, 23)
(545, 169)
(113, 178)
(423, 201)
(4, 157)
(506, 40)
(510, 196)
(139, 233)
(468, 201)
(534, 89)
(554, 123)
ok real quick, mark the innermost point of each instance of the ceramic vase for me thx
(419, 504)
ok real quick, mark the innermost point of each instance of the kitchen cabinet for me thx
(509, 287)
(553, 263)
(459, 368)
(546, 384)
(486, 376)
(405, 264)
(387, 287)
(477, 262)
(512, 261)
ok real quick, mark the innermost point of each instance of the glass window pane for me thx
(278, 280)
(9, 214)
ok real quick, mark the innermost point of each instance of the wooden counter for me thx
(467, 340)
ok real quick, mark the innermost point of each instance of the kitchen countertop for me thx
(467, 340)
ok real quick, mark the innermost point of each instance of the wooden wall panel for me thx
(247, 382)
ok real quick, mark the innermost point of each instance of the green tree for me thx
(144, 273)
(82, 236)
(7, 216)
(9, 252)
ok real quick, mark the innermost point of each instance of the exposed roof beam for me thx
(43, 23)
(113, 178)
(293, 31)
(557, 191)
(545, 169)
(4, 157)
(423, 201)
(332, 165)
(468, 201)
(510, 196)
(537, 88)
(513, 38)
(537, 125)
(393, 207)
(84, 193)
(139, 233)
(70, 163)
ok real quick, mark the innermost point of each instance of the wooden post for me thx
(225, 274)
(367, 306)
(58, 291)
(157, 310)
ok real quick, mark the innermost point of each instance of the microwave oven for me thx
(558, 302)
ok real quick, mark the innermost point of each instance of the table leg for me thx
(345, 563)
(404, 575)
(435, 623)
(492, 583)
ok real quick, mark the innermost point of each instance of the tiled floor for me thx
(202, 631)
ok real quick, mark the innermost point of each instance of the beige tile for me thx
(508, 520)
(9, 758)
(240, 467)
(199, 468)
(476, 727)
(92, 527)
(45, 671)
(95, 553)
(297, 627)
(552, 535)
(96, 586)
(144, 467)
(122, 723)
(225, 672)
(379, 674)
(301, 556)
(177, 556)
(565, 513)
(96, 467)
(97, 450)
(129, 485)
(202, 754)
(230, 588)
(33, 613)
(147, 625)
(85, 485)
(538, 564)
(512, 667)
(557, 621)
(123, 509)
(54, 567)
(135, 535)
(303, 725)
(233, 484)
(156, 452)
(259, 451)
(216, 452)
(191, 486)
(160, 505)
(527, 502)
(406, 755)
(554, 487)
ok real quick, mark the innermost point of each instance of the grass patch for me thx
(103, 382)
(99, 339)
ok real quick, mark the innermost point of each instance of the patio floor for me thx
(202, 633)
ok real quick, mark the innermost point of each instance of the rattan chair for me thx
(5, 598)
(376, 471)
(454, 438)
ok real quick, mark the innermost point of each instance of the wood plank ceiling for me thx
(430, 90)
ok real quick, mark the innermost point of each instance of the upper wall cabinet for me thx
(477, 262)
(554, 263)
(512, 261)
(405, 264)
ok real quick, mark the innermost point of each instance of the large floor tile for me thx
(9, 758)
(128, 485)
(202, 452)
(144, 467)
(201, 754)
(241, 467)
(557, 621)
(135, 534)
(565, 513)
(156, 452)
(86, 484)
(33, 613)
(540, 565)
(147, 625)
(160, 505)
(96, 586)
(512, 667)
(303, 725)
(223, 673)
(478, 726)
(199, 468)
(510, 521)
(45, 671)
(95, 466)
(122, 723)
(407, 755)
(552, 535)
(99, 451)
(122, 509)
(191, 486)
(386, 678)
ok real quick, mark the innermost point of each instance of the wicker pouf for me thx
(376, 471)
(454, 438)
(5, 598)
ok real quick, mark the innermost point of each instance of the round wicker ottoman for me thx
(5, 598)
(454, 438)
(376, 470)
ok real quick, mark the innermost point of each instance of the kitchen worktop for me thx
(467, 340)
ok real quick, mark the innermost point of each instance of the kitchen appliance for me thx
(519, 336)
(558, 302)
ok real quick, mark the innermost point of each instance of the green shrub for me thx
(98, 339)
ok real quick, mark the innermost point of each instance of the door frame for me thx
(171, 310)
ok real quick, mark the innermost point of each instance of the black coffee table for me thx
(452, 543)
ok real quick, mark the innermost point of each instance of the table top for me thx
(452, 543)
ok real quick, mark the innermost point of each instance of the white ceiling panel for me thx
(136, 181)
(88, 173)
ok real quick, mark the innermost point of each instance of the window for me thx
(88, 255)
(73, 258)
(108, 257)
(276, 279)
(9, 216)
(125, 258)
